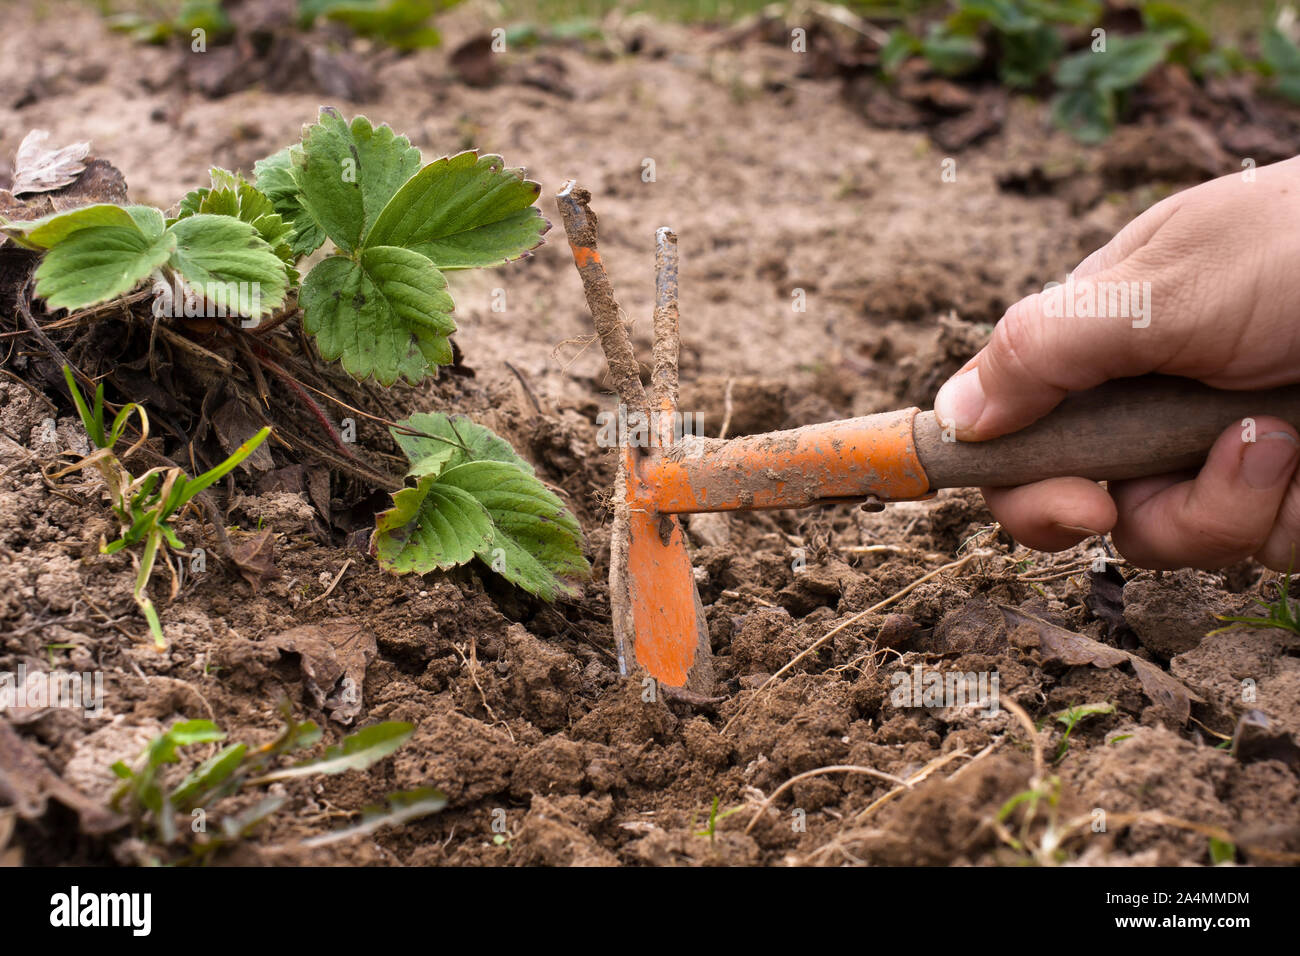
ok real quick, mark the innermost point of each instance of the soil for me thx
(782, 191)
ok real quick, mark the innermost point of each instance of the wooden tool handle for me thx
(1127, 428)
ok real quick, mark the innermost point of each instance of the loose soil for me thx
(779, 188)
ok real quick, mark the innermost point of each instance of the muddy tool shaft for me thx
(1128, 428)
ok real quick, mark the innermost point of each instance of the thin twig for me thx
(472, 665)
(1026, 722)
(333, 584)
(913, 779)
(25, 310)
(837, 768)
(125, 302)
(726, 409)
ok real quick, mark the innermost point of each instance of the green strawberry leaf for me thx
(386, 314)
(537, 539)
(430, 526)
(897, 49)
(346, 174)
(1028, 55)
(229, 263)
(531, 539)
(432, 456)
(463, 211)
(1279, 53)
(1289, 86)
(1086, 113)
(94, 264)
(402, 24)
(232, 195)
(1126, 60)
(274, 177)
(1282, 58)
(48, 231)
(148, 220)
(952, 54)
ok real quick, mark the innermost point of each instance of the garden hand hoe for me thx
(1129, 428)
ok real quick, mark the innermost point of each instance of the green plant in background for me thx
(1023, 35)
(1070, 717)
(147, 505)
(1281, 60)
(1190, 41)
(1091, 84)
(403, 24)
(474, 497)
(160, 22)
(1280, 613)
(153, 805)
(1025, 42)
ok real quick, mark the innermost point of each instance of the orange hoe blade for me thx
(838, 461)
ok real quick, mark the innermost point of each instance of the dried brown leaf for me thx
(334, 657)
(234, 425)
(1060, 644)
(255, 558)
(27, 784)
(39, 169)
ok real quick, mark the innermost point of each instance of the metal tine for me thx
(667, 337)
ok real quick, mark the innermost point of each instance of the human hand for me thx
(1218, 266)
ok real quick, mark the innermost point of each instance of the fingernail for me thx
(960, 402)
(1270, 460)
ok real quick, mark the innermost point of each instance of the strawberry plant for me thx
(403, 24)
(1281, 59)
(380, 304)
(377, 303)
(1091, 84)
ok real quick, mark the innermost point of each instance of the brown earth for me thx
(774, 184)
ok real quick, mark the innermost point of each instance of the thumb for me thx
(1070, 337)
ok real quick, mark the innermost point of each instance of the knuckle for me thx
(1018, 337)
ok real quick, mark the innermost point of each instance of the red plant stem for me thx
(312, 405)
